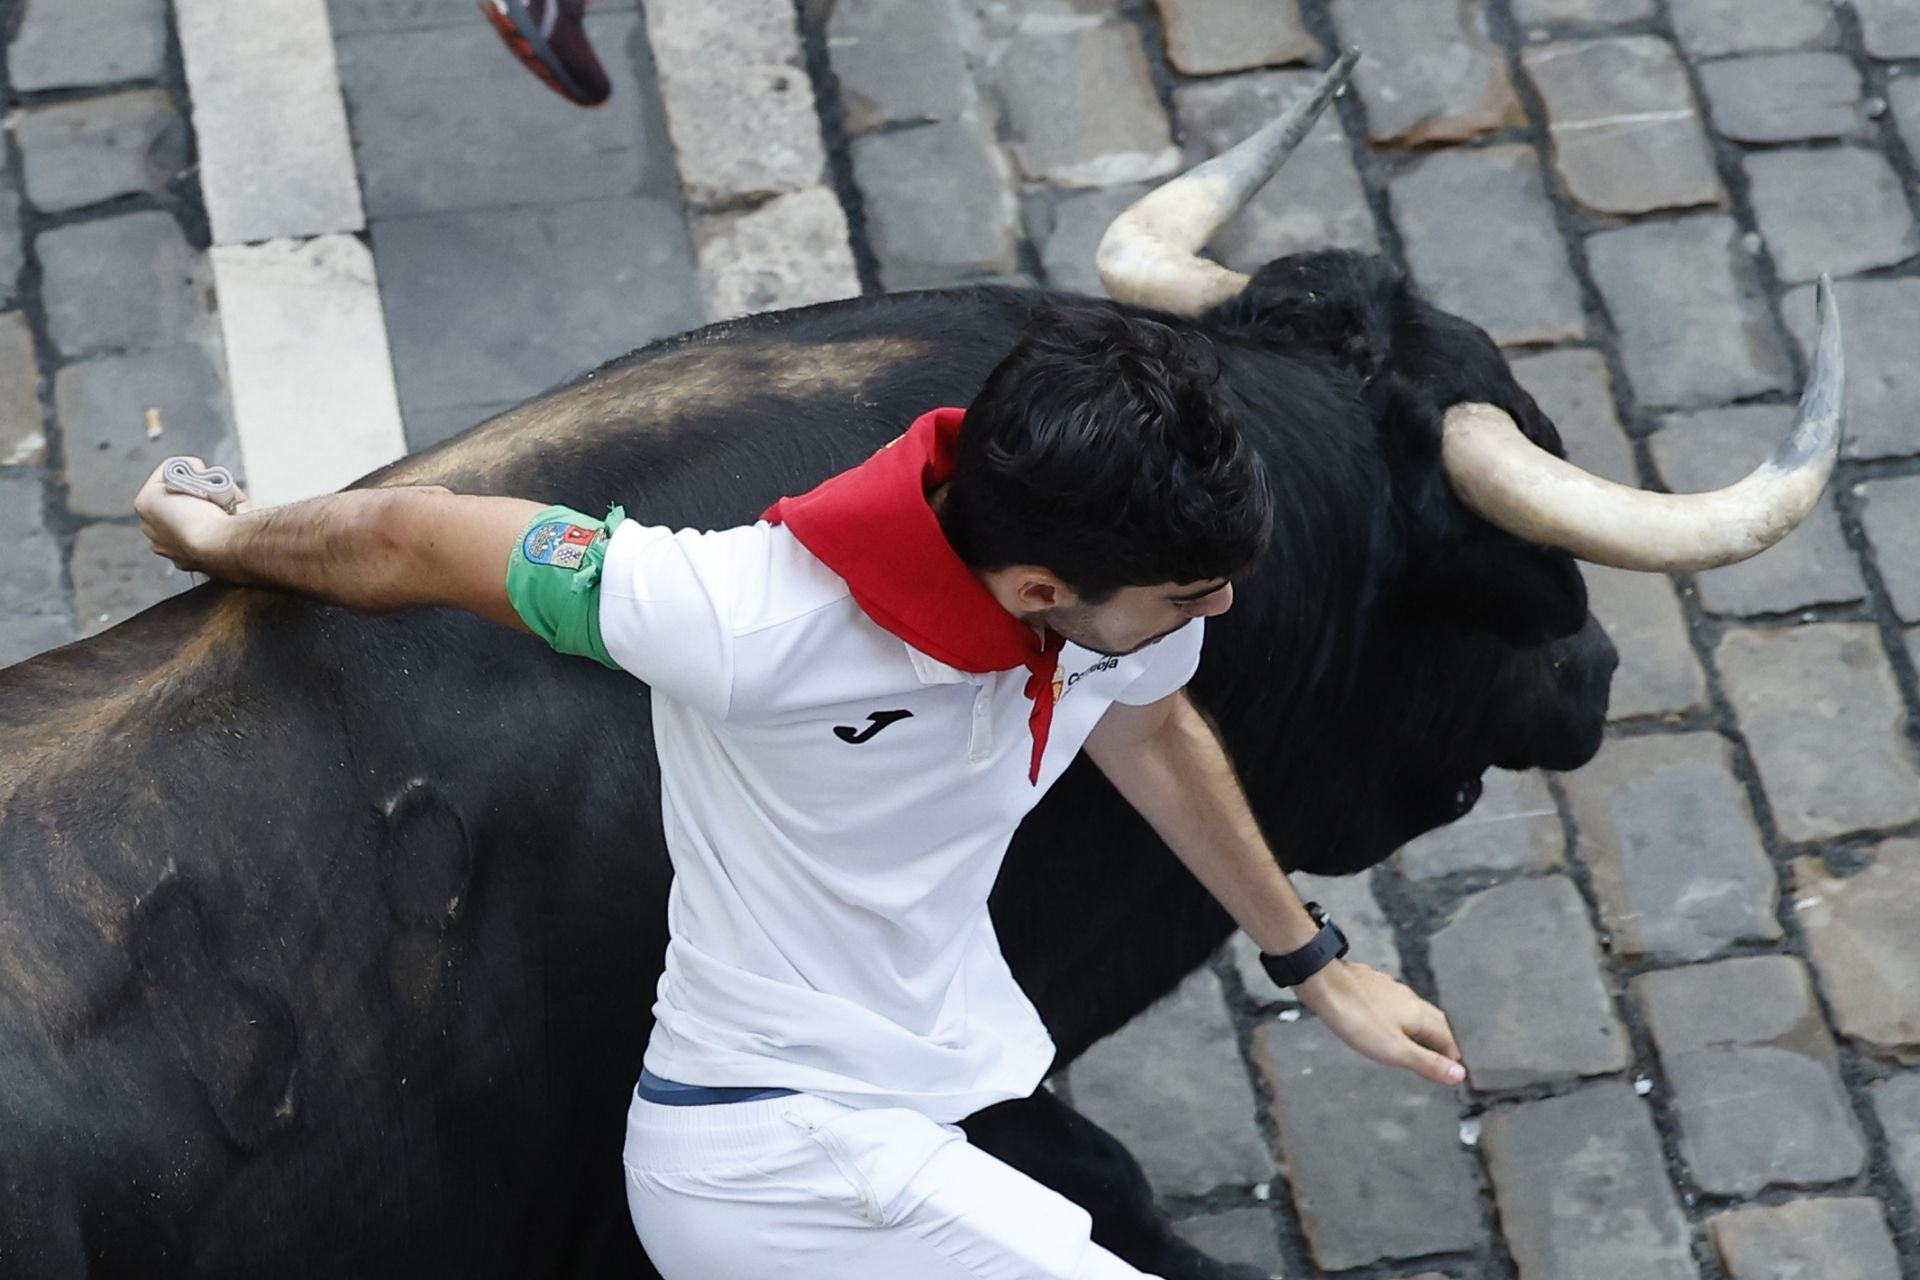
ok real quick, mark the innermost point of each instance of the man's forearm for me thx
(1182, 782)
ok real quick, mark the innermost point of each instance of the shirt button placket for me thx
(980, 732)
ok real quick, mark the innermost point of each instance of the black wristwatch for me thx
(1295, 967)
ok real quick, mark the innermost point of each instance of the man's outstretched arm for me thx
(366, 548)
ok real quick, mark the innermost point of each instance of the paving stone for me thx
(792, 251)
(30, 583)
(130, 282)
(1677, 863)
(1810, 566)
(64, 45)
(314, 401)
(352, 17)
(116, 575)
(1068, 229)
(1206, 37)
(1821, 714)
(1693, 320)
(1658, 674)
(1572, 387)
(1810, 232)
(1351, 902)
(103, 406)
(1904, 96)
(22, 635)
(754, 131)
(1243, 1236)
(1802, 1239)
(1583, 1189)
(1889, 28)
(1082, 108)
(13, 248)
(1859, 931)
(1586, 12)
(1515, 827)
(428, 427)
(1785, 97)
(1627, 137)
(444, 122)
(1171, 1086)
(80, 153)
(1518, 968)
(1372, 1152)
(23, 438)
(458, 288)
(1897, 1103)
(1890, 511)
(1744, 1037)
(940, 207)
(1883, 382)
(897, 61)
(1710, 27)
(1482, 243)
(1429, 71)
(1316, 202)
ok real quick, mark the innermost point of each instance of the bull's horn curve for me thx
(1150, 254)
(1514, 484)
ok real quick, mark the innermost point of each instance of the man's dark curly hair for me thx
(1102, 450)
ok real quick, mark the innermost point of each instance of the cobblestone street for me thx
(1686, 978)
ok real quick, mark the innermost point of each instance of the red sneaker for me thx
(547, 37)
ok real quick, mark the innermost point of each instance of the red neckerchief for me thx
(873, 527)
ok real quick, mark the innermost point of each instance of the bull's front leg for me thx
(1053, 1144)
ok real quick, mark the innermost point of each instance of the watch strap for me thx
(1295, 967)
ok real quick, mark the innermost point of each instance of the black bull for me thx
(327, 940)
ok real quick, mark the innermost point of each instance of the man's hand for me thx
(1384, 1020)
(182, 528)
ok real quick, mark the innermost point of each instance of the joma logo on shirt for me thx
(1062, 684)
(876, 722)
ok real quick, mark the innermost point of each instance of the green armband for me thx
(553, 579)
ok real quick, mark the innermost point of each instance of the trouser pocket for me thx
(879, 1151)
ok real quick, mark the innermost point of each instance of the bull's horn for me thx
(1514, 484)
(1151, 252)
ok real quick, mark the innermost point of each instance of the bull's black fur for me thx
(328, 938)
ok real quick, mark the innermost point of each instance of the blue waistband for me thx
(671, 1093)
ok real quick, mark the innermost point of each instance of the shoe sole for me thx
(515, 25)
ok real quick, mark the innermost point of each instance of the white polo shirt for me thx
(837, 805)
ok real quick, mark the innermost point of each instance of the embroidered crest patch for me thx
(558, 543)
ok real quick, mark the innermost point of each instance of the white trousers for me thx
(801, 1187)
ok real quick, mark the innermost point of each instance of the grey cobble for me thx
(1350, 900)
(1317, 202)
(897, 61)
(1810, 566)
(1659, 673)
(1429, 72)
(1809, 232)
(1583, 1191)
(1903, 95)
(1745, 1036)
(70, 45)
(1859, 931)
(1082, 108)
(1709, 27)
(1207, 37)
(1518, 968)
(130, 282)
(1785, 97)
(1514, 827)
(792, 251)
(1245, 1236)
(940, 207)
(1582, 11)
(1896, 1102)
(80, 153)
(30, 571)
(1480, 237)
(1890, 512)
(13, 248)
(1831, 1239)
(1676, 860)
(102, 406)
(1889, 28)
(1821, 714)
(351, 17)
(1693, 322)
(23, 439)
(1627, 137)
(1171, 1085)
(1373, 1152)
(1573, 389)
(1883, 380)
(1068, 230)
(116, 575)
